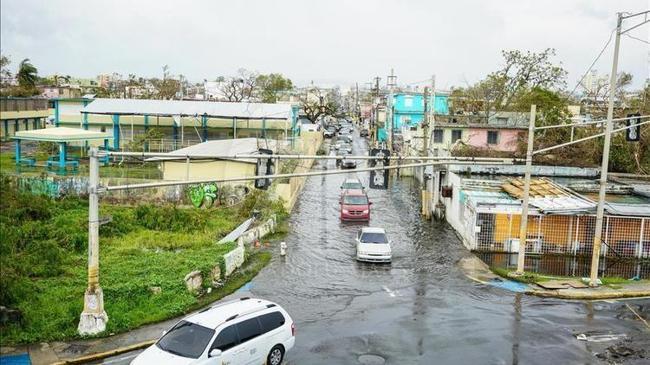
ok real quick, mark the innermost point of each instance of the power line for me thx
(638, 39)
(596, 60)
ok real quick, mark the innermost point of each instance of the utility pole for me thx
(523, 222)
(374, 129)
(93, 318)
(425, 123)
(595, 256)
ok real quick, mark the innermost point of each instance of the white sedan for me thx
(373, 245)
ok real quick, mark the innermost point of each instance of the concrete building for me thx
(20, 114)
(207, 168)
(182, 122)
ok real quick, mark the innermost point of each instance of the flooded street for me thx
(420, 309)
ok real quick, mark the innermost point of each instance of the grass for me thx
(43, 262)
(531, 278)
(126, 170)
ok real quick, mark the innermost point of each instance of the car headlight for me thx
(345, 211)
(365, 211)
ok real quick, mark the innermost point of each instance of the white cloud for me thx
(328, 41)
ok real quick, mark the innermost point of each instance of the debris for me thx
(599, 338)
(155, 289)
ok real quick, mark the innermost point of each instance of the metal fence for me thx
(623, 237)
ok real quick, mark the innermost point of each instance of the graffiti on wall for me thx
(40, 186)
(203, 195)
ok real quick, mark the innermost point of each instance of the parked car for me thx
(373, 245)
(243, 331)
(355, 206)
(329, 133)
(352, 183)
(363, 133)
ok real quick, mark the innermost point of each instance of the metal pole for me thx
(523, 223)
(595, 257)
(93, 318)
(425, 124)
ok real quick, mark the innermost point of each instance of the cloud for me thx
(329, 41)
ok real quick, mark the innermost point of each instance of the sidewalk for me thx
(80, 351)
(477, 270)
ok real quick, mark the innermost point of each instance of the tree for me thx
(5, 74)
(524, 71)
(314, 104)
(271, 85)
(27, 74)
(240, 87)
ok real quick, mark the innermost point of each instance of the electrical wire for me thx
(638, 39)
(594, 62)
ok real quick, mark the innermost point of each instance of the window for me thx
(371, 237)
(271, 321)
(227, 338)
(248, 329)
(456, 134)
(355, 199)
(492, 137)
(186, 339)
(437, 135)
(408, 102)
(103, 129)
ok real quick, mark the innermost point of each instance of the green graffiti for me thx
(40, 186)
(203, 195)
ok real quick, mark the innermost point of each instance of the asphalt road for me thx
(420, 309)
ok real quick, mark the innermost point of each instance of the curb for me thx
(589, 296)
(105, 354)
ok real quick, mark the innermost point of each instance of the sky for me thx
(330, 42)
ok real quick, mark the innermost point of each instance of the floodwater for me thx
(420, 309)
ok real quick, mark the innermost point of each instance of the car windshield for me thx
(352, 185)
(355, 200)
(373, 237)
(186, 339)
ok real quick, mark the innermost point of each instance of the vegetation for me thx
(43, 261)
(531, 277)
(533, 78)
(271, 85)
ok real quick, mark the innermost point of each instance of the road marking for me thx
(390, 292)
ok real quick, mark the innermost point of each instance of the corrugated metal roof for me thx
(188, 108)
(61, 134)
(229, 147)
(634, 210)
(550, 197)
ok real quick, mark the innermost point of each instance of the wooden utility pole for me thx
(373, 128)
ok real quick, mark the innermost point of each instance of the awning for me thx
(61, 134)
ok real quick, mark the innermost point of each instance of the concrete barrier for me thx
(233, 260)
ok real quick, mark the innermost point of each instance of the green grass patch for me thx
(531, 277)
(43, 261)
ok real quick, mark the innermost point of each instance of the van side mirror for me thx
(214, 353)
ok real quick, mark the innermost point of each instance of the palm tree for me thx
(27, 74)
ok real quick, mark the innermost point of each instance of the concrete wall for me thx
(458, 215)
(233, 260)
(177, 170)
(506, 139)
(289, 191)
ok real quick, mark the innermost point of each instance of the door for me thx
(231, 351)
(251, 341)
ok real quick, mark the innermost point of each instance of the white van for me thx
(243, 331)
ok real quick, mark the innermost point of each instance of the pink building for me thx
(501, 139)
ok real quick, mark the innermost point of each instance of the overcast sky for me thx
(329, 41)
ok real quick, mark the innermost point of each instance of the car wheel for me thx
(276, 355)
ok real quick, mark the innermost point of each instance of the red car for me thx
(355, 205)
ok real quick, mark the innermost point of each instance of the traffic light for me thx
(633, 133)
(265, 166)
(379, 178)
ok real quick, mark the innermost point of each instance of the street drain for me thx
(372, 360)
